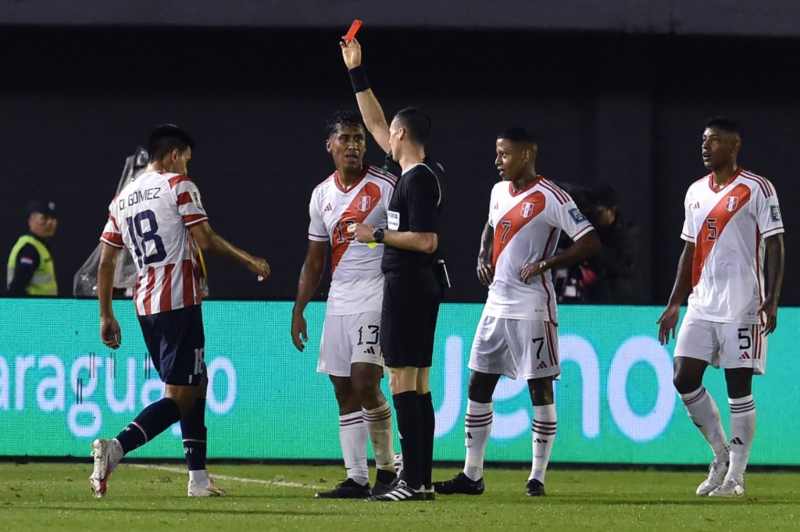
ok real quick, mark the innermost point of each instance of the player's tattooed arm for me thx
(680, 291)
(210, 241)
(110, 332)
(307, 285)
(485, 268)
(585, 247)
(371, 110)
(773, 268)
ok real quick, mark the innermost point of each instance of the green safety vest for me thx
(43, 282)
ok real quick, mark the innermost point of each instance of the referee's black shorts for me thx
(176, 342)
(408, 318)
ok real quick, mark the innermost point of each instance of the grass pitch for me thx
(47, 496)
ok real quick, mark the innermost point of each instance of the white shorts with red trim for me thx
(349, 339)
(510, 347)
(723, 345)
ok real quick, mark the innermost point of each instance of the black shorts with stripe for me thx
(176, 343)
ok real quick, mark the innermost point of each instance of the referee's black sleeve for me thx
(422, 196)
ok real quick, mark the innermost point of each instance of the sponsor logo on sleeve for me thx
(577, 216)
(775, 213)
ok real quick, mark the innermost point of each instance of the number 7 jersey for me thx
(527, 224)
(727, 226)
(151, 216)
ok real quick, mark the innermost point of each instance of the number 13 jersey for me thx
(527, 224)
(151, 216)
(727, 226)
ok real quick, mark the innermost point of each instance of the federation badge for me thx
(733, 201)
(364, 204)
(527, 209)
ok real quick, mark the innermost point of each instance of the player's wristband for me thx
(358, 78)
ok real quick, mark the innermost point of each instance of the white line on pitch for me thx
(279, 483)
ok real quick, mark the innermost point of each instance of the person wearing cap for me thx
(31, 270)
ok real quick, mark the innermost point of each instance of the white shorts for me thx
(509, 347)
(723, 345)
(350, 339)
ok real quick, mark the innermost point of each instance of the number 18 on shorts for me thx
(511, 347)
(349, 339)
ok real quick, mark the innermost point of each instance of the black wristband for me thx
(358, 78)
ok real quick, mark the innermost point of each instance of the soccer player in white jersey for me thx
(350, 350)
(160, 218)
(732, 221)
(516, 335)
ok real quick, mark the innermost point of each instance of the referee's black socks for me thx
(428, 426)
(409, 416)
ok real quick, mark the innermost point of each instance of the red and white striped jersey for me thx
(727, 226)
(357, 280)
(527, 224)
(151, 216)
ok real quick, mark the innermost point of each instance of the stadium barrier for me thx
(60, 387)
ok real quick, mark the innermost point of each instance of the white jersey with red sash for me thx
(357, 281)
(527, 224)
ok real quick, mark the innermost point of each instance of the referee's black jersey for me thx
(416, 206)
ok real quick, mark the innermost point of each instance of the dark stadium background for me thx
(617, 94)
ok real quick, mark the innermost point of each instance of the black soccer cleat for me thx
(461, 483)
(534, 488)
(385, 482)
(349, 489)
(401, 492)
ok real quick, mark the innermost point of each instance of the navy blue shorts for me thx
(176, 344)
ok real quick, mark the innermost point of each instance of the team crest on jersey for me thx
(733, 201)
(365, 204)
(527, 209)
(577, 216)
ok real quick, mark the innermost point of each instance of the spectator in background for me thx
(31, 270)
(609, 276)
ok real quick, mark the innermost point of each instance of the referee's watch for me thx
(377, 235)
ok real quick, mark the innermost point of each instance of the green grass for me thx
(56, 497)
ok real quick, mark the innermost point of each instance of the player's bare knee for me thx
(739, 382)
(541, 390)
(481, 387)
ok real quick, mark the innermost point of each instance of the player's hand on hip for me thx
(531, 270)
(351, 53)
(362, 232)
(485, 272)
(769, 312)
(260, 267)
(110, 333)
(667, 322)
(299, 331)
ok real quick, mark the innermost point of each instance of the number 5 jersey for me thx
(151, 216)
(727, 226)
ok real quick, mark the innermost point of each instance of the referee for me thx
(412, 286)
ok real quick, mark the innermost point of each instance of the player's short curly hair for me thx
(723, 123)
(342, 118)
(167, 137)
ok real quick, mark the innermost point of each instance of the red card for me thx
(351, 33)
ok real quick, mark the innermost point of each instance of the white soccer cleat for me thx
(107, 454)
(716, 475)
(204, 489)
(730, 488)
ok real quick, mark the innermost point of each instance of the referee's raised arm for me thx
(368, 105)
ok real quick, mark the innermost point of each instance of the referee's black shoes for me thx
(402, 492)
(461, 483)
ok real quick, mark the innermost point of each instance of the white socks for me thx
(477, 427)
(743, 428)
(543, 434)
(379, 426)
(353, 439)
(704, 414)
(199, 476)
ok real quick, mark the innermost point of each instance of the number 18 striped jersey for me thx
(151, 216)
(727, 226)
(527, 224)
